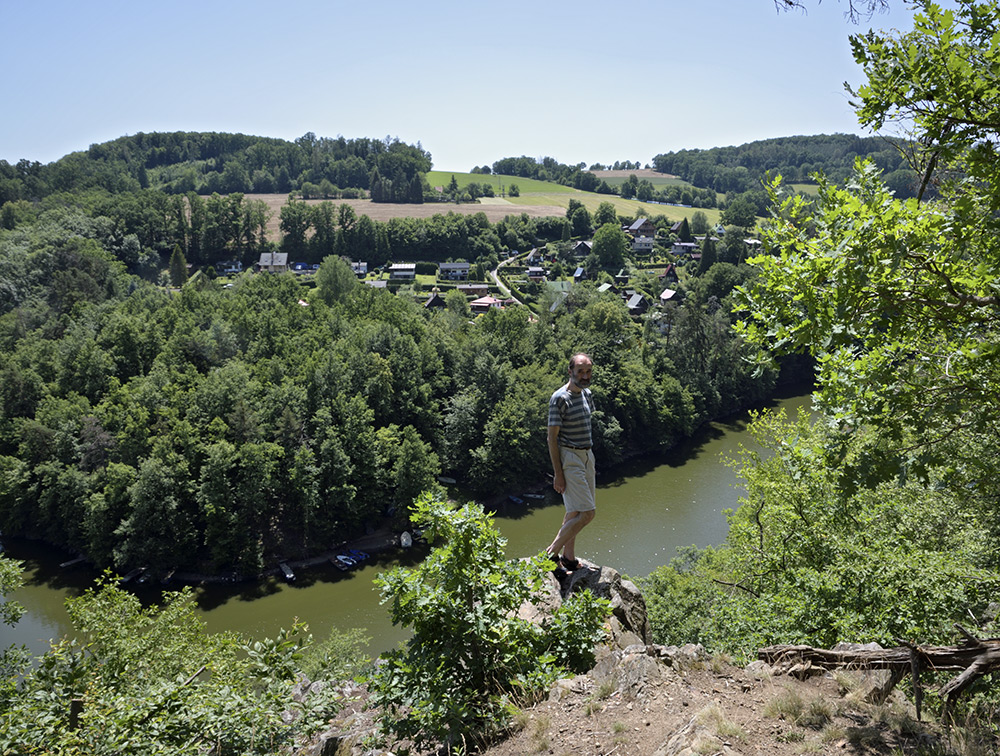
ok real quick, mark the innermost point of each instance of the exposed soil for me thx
(715, 708)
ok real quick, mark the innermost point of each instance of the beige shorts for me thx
(581, 480)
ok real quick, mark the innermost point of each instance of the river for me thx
(645, 511)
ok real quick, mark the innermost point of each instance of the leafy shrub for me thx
(152, 681)
(471, 659)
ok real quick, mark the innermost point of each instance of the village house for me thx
(474, 289)
(684, 248)
(453, 271)
(582, 249)
(642, 227)
(229, 267)
(483, 304)
(360, 268)
(273, 262)
(579, 274)
(403, 272)
(637, 304)
(536, 274)
(666, 295)
(642, 245)
(669, 274)
(435, 302)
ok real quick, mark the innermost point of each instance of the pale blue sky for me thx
(472, 81)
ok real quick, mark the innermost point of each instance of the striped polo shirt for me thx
(571, 412)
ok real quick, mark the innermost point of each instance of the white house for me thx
(273, 262)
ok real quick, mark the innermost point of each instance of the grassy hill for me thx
(547, 193)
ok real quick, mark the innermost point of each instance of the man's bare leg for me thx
(565, 540)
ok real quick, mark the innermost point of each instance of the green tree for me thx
(604, 214)
(684, 232)
(335, 279)
(458, 303)
(708, 255)
(897, 297)
(610, 245)
(295, 219)
(580, 221)
(153, 681)
(699, 223)
(739, 212)
(178, 267)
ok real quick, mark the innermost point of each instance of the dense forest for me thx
(210, 426)
(796, 159)
(207, 163)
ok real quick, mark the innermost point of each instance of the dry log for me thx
(975, 657)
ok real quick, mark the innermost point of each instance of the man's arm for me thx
(558, 480)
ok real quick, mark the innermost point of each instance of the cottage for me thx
(642, 245)
(607, 287)
(684, 248)
(642, 227)
(474, 289)
(229, 267)
(435, 302)
(669, 274)
(582, 248)
(485, 303)
(579, 274)
(666, 295)
(273, 262)
(621, 278)
(454, 271)
(536, 274)
(403, 272)
(360, 268)
(637, 304)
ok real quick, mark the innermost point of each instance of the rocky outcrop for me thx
(629, 623)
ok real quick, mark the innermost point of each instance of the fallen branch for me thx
(975, 657)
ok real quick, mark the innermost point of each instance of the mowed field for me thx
(496, 211)
(537, 199)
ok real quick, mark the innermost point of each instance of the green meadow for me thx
(443, 178)
(657, 180)
(810, 189)
(534, 192)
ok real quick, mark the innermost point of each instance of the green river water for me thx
(645, 511)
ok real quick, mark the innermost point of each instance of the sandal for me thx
(570, 564)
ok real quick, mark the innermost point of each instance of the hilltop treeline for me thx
(143, 227)
(204, 163)
(796, 159)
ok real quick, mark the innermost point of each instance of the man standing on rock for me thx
(570, 443)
